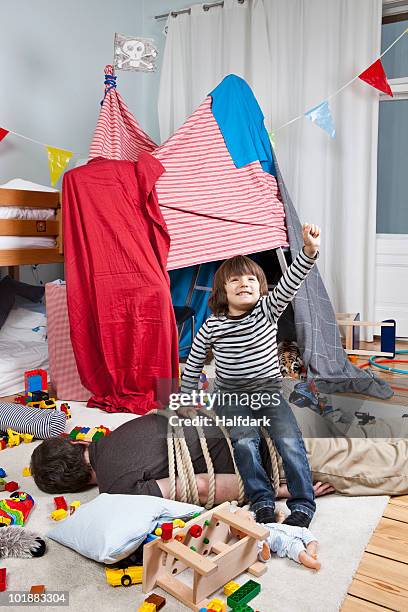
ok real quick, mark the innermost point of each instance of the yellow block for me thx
(230, 588)
(59, 515)
(147, 607)
(26, 471)
(217, 605)
(26, 438)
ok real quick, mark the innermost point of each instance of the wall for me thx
(52, 79)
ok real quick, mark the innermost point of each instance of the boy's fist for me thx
(311, 239)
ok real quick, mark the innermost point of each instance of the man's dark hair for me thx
(58, 466)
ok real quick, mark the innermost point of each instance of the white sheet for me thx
(36, 214)
(21, 348)
(26, 242)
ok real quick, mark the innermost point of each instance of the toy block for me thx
(59, 515)
(217, 605)
(167, 531)
(243, 608)
(26, 471)
(245, 593)
(2, 484)
(2, 473)
(27, 438)
(37, 589)
(5, 520)
(13, 438)
(60, 502)
(147, 607)
(11, 486)
(3, 444)
(157, 600)
(74, 505)
(74, 432)
(230, 588)
(97, 436)
(3, 578)
(35, 380)
(195, 531)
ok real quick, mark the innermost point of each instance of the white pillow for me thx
(111, 527)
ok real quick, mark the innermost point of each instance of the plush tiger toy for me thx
(290, 361)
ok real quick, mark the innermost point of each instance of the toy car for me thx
(48, 403)
(118, 576)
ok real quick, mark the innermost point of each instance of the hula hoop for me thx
(373, 362)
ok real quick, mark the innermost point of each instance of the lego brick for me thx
(11, 486)
(59, 515)
(217, 605)
(157, 600)
(230, 588)
(37, 589)
(26, 471)
(2, 473)
(245, 593)
(3, 578)
(74, 505)
(147, 607)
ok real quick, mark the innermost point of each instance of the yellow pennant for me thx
(57, 161)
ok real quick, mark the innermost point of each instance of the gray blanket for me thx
(317, 332)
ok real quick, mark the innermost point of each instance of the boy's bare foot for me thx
(309, 561)
(311, 549)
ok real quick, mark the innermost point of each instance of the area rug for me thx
(343, 526)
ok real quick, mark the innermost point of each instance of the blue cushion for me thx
(111, 527)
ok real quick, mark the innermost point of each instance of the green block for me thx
(97, 435)
(244, 608)
(245, 593)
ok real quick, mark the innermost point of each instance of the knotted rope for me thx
(179, 455)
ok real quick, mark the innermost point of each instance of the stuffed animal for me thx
(17, 542)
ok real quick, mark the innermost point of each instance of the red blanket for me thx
(122, 322)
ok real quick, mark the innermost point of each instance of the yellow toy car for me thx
(48, 403)
(118, 576)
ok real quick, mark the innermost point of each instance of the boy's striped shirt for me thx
(245, 347)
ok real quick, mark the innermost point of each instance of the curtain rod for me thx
(206, 7)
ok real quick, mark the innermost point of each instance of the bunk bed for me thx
(30, 226)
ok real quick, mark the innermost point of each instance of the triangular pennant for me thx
(322, 116)
(376, 77)
(3, 133)
(57, 161)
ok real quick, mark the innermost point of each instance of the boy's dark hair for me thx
(58, 466)
(236, 266)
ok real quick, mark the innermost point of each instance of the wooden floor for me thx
(381, 581)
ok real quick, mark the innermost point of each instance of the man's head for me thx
(58, 465)
(237, 286)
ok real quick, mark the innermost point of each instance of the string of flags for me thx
(320, 115)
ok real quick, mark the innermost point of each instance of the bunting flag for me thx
(322, 116)
(3, 133)
(376, 77)
(57, 161)
(271, 135)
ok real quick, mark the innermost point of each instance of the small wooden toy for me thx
(157, 600)
(352, 324)
(37, 589)
(167, 531)
(195, 531)
(163, 561)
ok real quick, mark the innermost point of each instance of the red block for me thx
(11, 486)
(2, 578)
(167, 531)
(60, 502)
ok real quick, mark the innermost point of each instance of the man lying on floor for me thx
(133, 459)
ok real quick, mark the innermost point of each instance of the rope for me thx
(110, 81)
(179, 455)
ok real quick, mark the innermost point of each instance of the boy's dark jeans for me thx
(279, 421)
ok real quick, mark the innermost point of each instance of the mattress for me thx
(35, 214)
(23, 346)
(26, 242)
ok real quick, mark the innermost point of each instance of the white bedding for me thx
(26, 242)
(35, 214)
(21, 348)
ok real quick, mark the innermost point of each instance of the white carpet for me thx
(343, 526)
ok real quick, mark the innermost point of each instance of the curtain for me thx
(294, 54)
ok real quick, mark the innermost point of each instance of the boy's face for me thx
(242, 293)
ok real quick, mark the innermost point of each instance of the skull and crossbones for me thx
(131, 54)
